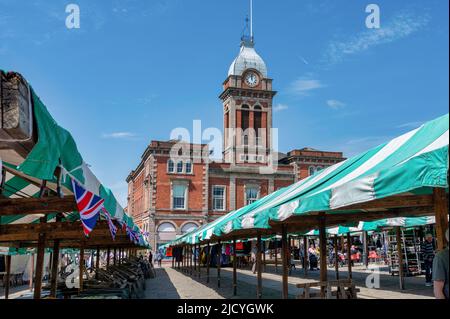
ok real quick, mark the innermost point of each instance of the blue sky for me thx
(135, 69)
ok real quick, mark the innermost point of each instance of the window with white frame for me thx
(180, 167)
(179, 193)
(251, 195)
(170, 166)
(188, 167)
(218, 198)
(312, 170)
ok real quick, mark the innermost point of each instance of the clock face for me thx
(251, 79)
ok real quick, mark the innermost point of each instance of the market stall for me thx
(405, 177)
(49, 197)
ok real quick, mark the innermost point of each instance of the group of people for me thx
(156, 259)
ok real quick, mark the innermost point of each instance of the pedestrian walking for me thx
(441, 273)
(428, 249)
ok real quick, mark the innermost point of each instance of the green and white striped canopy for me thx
(415, 162)
(55, 148)
(405, 222)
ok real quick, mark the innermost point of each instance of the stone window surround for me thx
(175, 172)
(224, 198)
(251, 185)
(182, 182)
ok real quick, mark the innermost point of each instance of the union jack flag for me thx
(132, 235)
(112, 227)
(89, 205)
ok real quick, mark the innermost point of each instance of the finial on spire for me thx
(247, 36)
(251, 19)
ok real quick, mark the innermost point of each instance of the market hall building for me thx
(171, 195)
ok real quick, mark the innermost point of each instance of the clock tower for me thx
(247, 107)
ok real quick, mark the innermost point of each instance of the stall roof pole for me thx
(97, 263)
(8, 275)
(284, 257)
(323, 251)
(54, 275)
(81, 269)
(259, 268)
(40, 263)
(305, 255)
(441, 211)
(108, 257)
(219, 253)
(234, 268)
(349, 255)
(400, 257)
(336, 256)
(208, 261)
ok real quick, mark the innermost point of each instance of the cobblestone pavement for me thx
(173, 284)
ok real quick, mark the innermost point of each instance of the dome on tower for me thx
(247, 59)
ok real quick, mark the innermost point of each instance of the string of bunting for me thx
(91, 207)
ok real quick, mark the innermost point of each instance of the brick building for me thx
(176, 187)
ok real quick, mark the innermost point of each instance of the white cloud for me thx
(335, 104)
(280, 107)
(399, 27)
(119, 135)
(303, 86)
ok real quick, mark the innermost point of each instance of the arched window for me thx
(318, 169)
(312, 170)
(180, 167)
(188, 227)
(188, 167)
(257, 108)
(166, 232)
(166, 228)
(170, 166)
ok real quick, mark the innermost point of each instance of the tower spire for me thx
(247, 36)
(251, 20)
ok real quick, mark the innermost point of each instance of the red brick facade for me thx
(169, 198)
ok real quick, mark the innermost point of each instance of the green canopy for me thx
(415, 162)
(56, 148)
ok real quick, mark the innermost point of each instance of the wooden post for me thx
(199, 249)
(305, 255)
(284, 258)
(400, 257)
(31, 272)
(219, 255)
(195, 259)
(39, 264)
(258, 267)
(276, 259)
(108, 257)
(115, 256)
(97, 263)
(54, 275)
(81, 268)
(366, 250)
(349, 255)
(208, 261)
(323, 251)
(264, 255)
(441, 211)
(191, 269)
(234, 268)
(336, 256)
(7, 276)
